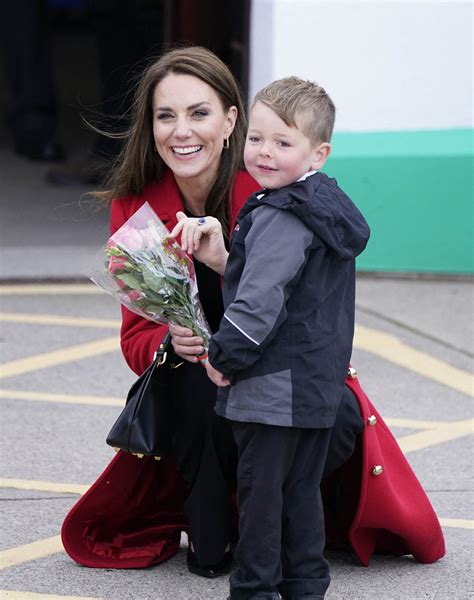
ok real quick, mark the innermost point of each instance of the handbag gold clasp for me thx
(162, 359)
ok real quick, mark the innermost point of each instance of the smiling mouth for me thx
(265, 168)
(186, 151)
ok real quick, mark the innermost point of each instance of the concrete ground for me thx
(64, 380)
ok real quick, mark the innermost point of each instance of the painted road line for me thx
(408, 423)
(59, 320)
(49, 289)
(376, 342)
(43, 486)
(458, 523)
(13, 595)
(58, 357)
(431, 434)
(395, 351)
(62, 398)
(27, 552)
(114, 401)
(431, 437)
(46, 547)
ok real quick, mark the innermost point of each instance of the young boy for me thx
(283, 347)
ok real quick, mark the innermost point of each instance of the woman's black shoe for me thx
(220, 568)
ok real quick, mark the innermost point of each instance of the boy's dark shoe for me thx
(220, 568)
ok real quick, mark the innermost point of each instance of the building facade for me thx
(400, 74)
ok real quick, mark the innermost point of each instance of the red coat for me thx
(132, 516)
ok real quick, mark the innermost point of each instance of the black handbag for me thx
(144, 427)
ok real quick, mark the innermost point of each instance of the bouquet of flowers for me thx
(149, 273)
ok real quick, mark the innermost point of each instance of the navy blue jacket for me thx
(285, 340)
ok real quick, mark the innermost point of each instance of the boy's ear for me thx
(320, 155)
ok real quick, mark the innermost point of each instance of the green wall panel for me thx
(416, 191)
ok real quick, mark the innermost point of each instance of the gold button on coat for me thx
(372, 420)
(377, 470)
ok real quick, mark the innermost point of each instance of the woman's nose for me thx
(182, 129)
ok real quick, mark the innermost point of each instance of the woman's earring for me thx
(226, 144)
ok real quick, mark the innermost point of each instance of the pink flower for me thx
(130, 238)
(117, 264)
(134, 296)
(150, 237)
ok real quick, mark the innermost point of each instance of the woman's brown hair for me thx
(138, 164)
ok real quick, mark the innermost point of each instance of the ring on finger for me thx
(201, 220)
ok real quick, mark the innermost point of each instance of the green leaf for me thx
(152, 281)
(130, 280)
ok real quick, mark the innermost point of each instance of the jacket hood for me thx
(324, 208)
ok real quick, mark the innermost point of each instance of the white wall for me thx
(387, 65)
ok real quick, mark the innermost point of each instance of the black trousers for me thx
(281, 519)
(206, 457)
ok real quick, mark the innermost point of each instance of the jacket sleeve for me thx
(276, 248)
(139, 337)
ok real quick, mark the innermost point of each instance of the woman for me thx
(183, 155)
(188, 160)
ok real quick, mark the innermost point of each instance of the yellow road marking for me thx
(410, 423)
(43, 486)
(59, 320)
(119, 402)
(27, 552)
(444, 433)
(376, 342)
(46, 547)
(459, 523)
(395, 351)
(431, 432)
(13, 595)
(58, 357)
(62, 398)
(49, 289)
(114, 401)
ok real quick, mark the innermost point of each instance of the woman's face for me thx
(189, 127)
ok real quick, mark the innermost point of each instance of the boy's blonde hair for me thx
(302, 104)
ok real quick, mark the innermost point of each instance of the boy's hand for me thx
(215, 376)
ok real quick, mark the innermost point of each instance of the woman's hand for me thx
(202, 237)
(185, 343)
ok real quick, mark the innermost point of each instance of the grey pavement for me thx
(46, 235)
(45, 231)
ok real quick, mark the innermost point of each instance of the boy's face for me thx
(276, 154)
